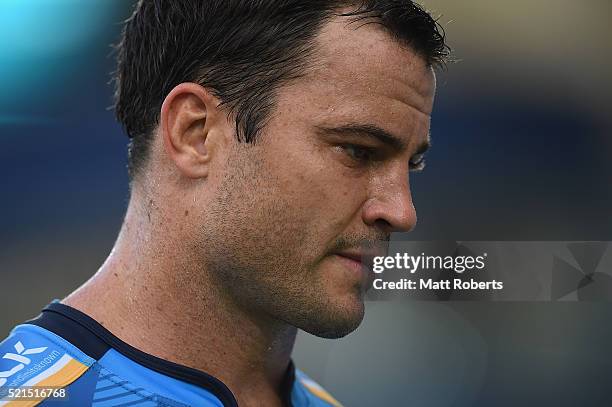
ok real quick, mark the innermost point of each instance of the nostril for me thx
(383, 225)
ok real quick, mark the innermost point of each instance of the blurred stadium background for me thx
(522, 151)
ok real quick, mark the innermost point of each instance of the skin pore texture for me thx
(228, 248)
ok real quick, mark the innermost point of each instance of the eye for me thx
(417, 162)
(358, 153)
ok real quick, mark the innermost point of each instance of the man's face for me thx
(322, 181)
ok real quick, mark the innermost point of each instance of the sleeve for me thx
(32, 357)
(310, 393)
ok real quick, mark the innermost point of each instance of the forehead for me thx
(361, 55)
(359, 74)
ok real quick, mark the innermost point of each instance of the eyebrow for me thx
(374, 132)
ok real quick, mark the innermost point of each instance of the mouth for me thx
(363, 257)
(355, 257)
(359, 262)
(355, 262)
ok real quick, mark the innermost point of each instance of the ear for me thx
(190, 126)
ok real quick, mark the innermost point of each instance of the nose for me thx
(390, 207)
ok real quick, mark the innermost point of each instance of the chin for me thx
(336, 320)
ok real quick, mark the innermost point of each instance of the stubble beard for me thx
(260, 258)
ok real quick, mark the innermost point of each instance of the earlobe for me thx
(187, 126)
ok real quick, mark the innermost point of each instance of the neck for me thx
(148, 285)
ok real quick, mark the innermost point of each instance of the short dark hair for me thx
(241, 51)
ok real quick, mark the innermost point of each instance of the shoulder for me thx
(312, 393)
(33, 356)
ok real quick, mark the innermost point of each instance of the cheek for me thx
(323, 199)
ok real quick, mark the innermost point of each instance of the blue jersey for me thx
(64, 349)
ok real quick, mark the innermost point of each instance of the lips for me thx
(355, 261)
(360, 256)
(351, 256)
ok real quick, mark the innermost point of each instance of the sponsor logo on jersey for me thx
(21, 358)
